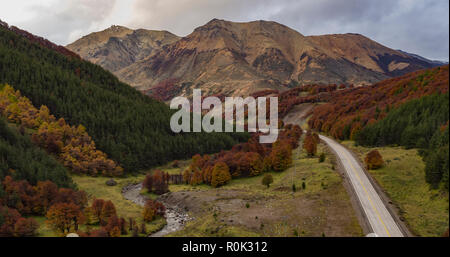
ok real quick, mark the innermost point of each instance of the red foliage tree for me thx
(374, 160)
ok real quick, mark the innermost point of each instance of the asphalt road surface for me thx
(380, 220)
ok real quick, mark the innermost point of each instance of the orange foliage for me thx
(73, 146)
(374, 160)
(350, 110)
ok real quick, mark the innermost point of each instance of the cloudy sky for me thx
(417, 26)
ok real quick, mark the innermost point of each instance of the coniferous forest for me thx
(25, 161)
(130, 128)
(420, 123)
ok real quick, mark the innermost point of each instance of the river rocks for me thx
(175, 216)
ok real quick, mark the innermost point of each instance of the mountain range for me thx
(231, 58)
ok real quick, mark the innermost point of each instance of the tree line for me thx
(65, 210)
(132, 129)
(244, 160)
(72, 145)
(420, 123)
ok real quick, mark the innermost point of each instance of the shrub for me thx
(374, 160)
(267, 180)
(322, 157)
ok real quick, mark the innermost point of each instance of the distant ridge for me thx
(231, 58)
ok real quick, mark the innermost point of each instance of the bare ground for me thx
(247, 208)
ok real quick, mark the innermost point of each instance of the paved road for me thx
(379, 218)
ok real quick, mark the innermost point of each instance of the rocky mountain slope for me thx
(118, 47)
(231, 58)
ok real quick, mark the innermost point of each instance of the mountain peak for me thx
(238, 58)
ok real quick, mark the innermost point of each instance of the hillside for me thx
(365, 52)
(347, 112)
(22, 160)
(130, 128)
(231, 58)
(118, 47)
(410, 111)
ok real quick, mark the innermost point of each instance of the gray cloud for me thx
(69, 20)
(419, 27)
(415, 26)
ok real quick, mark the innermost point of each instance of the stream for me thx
(176, 219)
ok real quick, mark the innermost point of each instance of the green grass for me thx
(426, 211)
(323, 188)
(44, 230)
(96, 187)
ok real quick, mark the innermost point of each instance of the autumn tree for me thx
(25, 227)
(9, 217)
(46, 193)
(187, 176)
(148, 183)
(310, 143)
(97, 207)
(64, 217)
(196, 178)
(374, 160)
(207, 174)
(113, 226)
(91, 217)
(281, 156)
(152, 209)
(108, 211)
(220, 174)
(160, 182)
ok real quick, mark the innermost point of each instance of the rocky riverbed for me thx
(176, 218)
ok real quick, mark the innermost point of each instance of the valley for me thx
(362, 145)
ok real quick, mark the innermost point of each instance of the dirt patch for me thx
(286, 214)
(298, 114)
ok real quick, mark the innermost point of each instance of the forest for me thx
(346, 112)
(244, 160)
(72, 146)
(411, 111)
(420, 123)
(22, 160)
(131, 128)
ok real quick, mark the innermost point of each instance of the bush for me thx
(322, 157)
(374, 160)
(267, 180)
